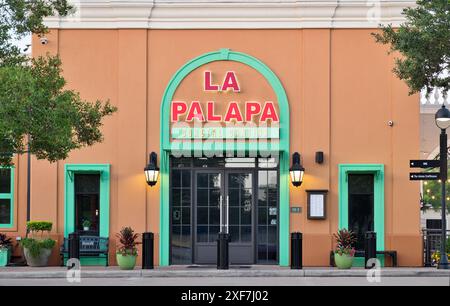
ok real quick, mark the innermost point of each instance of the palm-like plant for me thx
(5, 242)
(127, 240)
(344, 242)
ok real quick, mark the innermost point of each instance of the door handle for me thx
(228, 214)
(220, 212)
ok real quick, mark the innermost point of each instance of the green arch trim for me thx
(166, 146)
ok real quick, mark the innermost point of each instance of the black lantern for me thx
(296, 171)
(152, 170)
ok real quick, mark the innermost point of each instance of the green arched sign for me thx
(166, 145)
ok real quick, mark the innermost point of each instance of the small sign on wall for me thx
(296, 209)
(317, 204)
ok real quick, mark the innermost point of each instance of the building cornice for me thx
(231, 14)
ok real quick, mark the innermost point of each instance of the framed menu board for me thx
(317, 204)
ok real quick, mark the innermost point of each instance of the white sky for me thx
(22, 43)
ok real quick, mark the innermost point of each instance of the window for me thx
(80, 202)
(6, 197)
(361, 201)
(268, 216)
(360, 206)
(181, 215)
(252, 187)
(87, 204)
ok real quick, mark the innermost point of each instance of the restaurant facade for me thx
(225, 94)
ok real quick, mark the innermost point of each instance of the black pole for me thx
(74, 246)
(29, 181)
(296, 250)
(370, 248)
(443, 262)
(427, 249)
(147, 250)
(222, 251)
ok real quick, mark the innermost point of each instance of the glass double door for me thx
(224, 202)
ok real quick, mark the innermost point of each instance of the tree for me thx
(432, 194)
(424, 43)
(37, 113)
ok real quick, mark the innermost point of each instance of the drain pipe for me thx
(28, 181)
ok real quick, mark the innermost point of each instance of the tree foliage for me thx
(37, 112)
(424, 43)
(432, 194)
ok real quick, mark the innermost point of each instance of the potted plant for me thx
(436, 256)
(344, 252)
(5, 250)
(86, 225)
(38, 248)
(127, 251)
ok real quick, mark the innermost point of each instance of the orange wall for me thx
(341, 92)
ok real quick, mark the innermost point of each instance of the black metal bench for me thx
(90, 246)
(392, 254)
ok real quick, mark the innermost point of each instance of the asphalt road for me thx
(233, 281)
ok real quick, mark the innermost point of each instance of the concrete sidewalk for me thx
(187, 271)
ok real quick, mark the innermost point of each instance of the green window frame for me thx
(9, 196)
(69, 199)
(378, 171)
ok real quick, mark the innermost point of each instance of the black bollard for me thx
(296, 250)
(222, 251)
(74, 245)
(370, 248)
(147, 250)
(427, 250)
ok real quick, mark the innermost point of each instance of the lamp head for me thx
(296, 171)
(151, 170)
(442, 118)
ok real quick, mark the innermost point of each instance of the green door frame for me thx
(166, 145)
(9, 196)
(69, 195)
(378, 171)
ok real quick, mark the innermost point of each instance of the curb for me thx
(61, 274)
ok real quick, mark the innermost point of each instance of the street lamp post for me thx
(442, 119)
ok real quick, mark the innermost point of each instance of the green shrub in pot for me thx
(38, 247)
(86, 225)
(39, 226)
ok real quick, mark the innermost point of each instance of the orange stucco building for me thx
(332, 89)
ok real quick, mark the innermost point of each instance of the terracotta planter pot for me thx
(343, 261)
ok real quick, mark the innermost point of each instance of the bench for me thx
(90, 246)
(392, 254)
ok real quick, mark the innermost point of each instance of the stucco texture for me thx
(341, 93)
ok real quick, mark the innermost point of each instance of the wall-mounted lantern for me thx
(152, 170)
(296, 171)
(319, 157)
